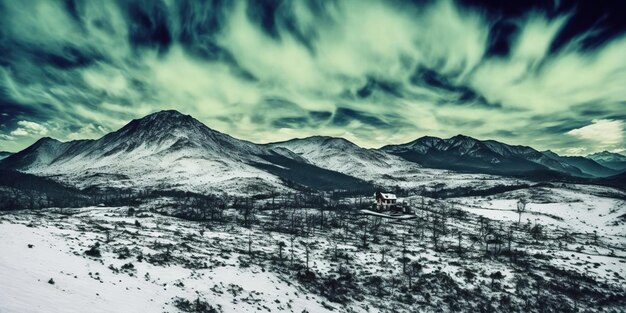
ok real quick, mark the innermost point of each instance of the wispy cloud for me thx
(375, 72)
(602, 133)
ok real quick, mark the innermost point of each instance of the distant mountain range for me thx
(611, 160)
(463, 153)
(170, 150)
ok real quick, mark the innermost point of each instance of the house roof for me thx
(388, 196)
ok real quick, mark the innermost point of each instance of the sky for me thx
(550, 75)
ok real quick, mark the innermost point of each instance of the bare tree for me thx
(307, 250)
(250, 242)
(292, 239)
(281, 245)
(414, 269)
(383, 252)
(521, 207)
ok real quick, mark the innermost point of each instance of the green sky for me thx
(373, 72)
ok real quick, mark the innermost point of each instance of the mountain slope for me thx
(162, 150)
(587, 166)
(4, 154)
(611, 160)
(343, 156)
(618, 181)
(468, 154)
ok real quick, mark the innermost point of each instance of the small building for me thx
(385, 201)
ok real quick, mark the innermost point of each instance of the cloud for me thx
(89, 131)
(7, 137)
(376, 72)
(28, 128)
(607, 132)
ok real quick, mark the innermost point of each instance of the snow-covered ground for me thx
(150, 262)
(54, 248)
(559, 208)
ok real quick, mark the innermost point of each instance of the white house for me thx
(385, 201)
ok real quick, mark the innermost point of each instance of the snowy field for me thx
(98, 283)
(453, 257)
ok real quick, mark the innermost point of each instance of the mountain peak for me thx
(551, 154)
(317, 140)
(606, 156)
(461, 137)
(605, 153)
(165, 121)
(166, 113)
(46, 141)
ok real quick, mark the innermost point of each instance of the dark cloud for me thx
(374, 85)
(590, 24)
(449, 92)
(291, 122)
(200, 24)
(263, 14)
(344, 116)
(148, 24)
(501, 38)
(320, 115)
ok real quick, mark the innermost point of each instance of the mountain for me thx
(4, 154)
(343, 156)
(463, 153)
(586, 165)
(170, 150)
(611, 160)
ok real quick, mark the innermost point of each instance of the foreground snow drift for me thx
(44, 269)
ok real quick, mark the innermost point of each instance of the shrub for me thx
(123, 253)
(94, 251)
(128, 266)
(198, 306)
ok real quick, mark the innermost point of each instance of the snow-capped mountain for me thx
(611, 160)
(343, 156)
(171, 150)
(469, 154)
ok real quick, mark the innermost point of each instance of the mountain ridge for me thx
(466, 153)
(168, 148)
(611, 160)
(171, 148)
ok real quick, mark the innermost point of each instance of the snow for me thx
(557, 207)
(25, 273)
(210, 261)
(165, 150)
(388, 196)
(343, 156)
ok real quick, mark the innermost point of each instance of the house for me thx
(385, 201)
